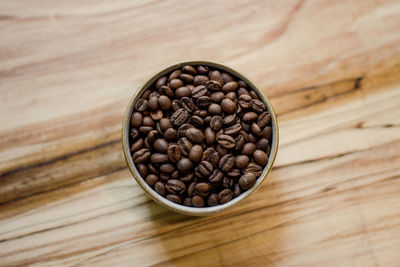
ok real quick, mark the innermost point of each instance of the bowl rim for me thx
(193, 211)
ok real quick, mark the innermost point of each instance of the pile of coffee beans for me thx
(199, 136)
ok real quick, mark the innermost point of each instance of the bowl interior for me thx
(153, 194)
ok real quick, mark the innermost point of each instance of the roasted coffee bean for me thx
(171, 135)
(225, 196)
(209, 135)
(175, 186)
(243, 91)
(189, 69)
(200, 80)
(228, 106)
(197, 173)
(175, 175)
(252, 138)
(226, 77)
(233, 130)
(187, 202)
(187, 104)
(197, 121)
(260, 157)
(216, 76)
(160, 145)
(245, 127)
(221, 150)
(184, 165)
(264, 119)
(212, 200)
(262, 144)
(207, 119)
(242, 84)
(234, 174)
(230, 87)
(217, 97)
(226, 141)
(136, 119)
(191, 189)
(137, 145)
(179, 117)
(141, 105)
(185, 145)
(249, 116)
(203, 101)
(216, 176)
(214, 109)
(159, 158)
(247, 181)
(239, 142)
(146, 143)
(175, 84)
(205, 168)
(257, 105)
(165, 90)
(197, 201)
(175, 74)
(151, 179)
(202, 189)
(188, 178)
(164, 102)
(167, 168)
(153, 103)
(156, 115)
(267, 133)
(142, 169)
(254, 95)
(199, 91)
(213, 85)
(245, 101)
(182, 92)
(226, 163)
(176, 104)
(228, 183)
(186, 78)
(165, 124)
(237, 191)
(141, 156)
(160, 188)
(183, 128)
(161, 82)
(195, 135)
(174, 198)
(216, 123)
(164, 176)
(248, 149)
(196, 153)
(255, 129)
(152, 168)
(201, 113)
(242, 161)
(211, 155)
(203, 70)
(253, 168)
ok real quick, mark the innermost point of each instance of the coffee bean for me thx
(260, 157)
(234, 174)
(186, 78)
(211, 155)
(237, 191)
(175, 175)
(248, 149)
(212, 200)
(209, 135)
(174, 84)
(239, 142)
(245, 101)
(264, 119)
(189, 69)
(159, 158)
(225, 195)
(152, 169)
(216, 123)
(247, 181)
(221, 150)
(200, 80)
(233, 130)
(153, 103)
(217, 97)
(227, 183)
(255, 129)
(214, 109)
(201, 113)
(182, 92)
(171, 135)
(175, 74)
(195, 135)
(203, 70)
(199, 91)
(226, 163)
(179, 117)
(141, 156)
(151, 179)
(267, 132)
(216, 76)
(165, 124)
(161, 82)
(253, 168)
(185, 145)
(141, 105)
(202, 189)
(187, 104)
(187, 202)
(262, 144)
(203, 101)
(196, 153)
(136, 119)
(213, 85)
(228, 106)
(183, 128)
(160, 145)
(164, 176)
(137, 145)
(230, 87)
(191, 189)
(243, 91)
(216, 176)
(249, 116)
(164, 102)
(226, 141)
(142, 169)
(184, 165)
(242, 161)
(167, 168)
(188, 178)
(165, 90)
(198, 201)
(205, 168)
(254, 95)
(156, 115)
(174, 198)
(226, 77)
(245, 128)
(160, 188)
(258, 105)
(175, 186)
(197, 121)
(232, 96)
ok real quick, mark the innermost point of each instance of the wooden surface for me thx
(330, 68)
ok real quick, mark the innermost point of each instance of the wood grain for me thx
(330, 68)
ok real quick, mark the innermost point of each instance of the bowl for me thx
(193, 211)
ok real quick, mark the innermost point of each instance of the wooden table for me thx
(330, 68)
